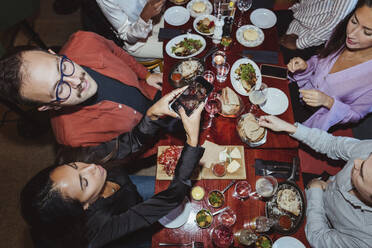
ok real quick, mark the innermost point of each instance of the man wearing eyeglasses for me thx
(98, 90)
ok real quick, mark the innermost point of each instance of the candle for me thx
(219, 59)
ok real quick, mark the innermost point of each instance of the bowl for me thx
(219, 169)
(216, 199)
(204, 218)
(244, 138)
(197, 193)
(264, 241)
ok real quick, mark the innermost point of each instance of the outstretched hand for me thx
(161, 107)
(191, 124)
(276, 124)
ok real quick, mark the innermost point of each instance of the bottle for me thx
(217, 34)
(260, 224)
(226, 33)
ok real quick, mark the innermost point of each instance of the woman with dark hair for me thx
(84, 205)
(336, 85)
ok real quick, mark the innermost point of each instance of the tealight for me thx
(219, 59)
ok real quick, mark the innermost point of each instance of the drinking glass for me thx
(258, 96)
(213, 106)
(266, 186)
(259, 224)
(245, 237)
(209, 76)
(243, 6)
(218, 58)
(222, 236)
(242, 190)
(227, 217)
(222, 72)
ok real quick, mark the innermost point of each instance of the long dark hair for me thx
(55, 220)
(337, 40)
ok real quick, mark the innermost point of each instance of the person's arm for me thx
(318, 232)
(334, 147)
(321, 33)
(128, 31)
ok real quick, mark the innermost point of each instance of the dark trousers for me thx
(301, 111)
(285, 17)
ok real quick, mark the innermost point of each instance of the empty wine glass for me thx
(243, 6)
(213, 106)
(258, 96)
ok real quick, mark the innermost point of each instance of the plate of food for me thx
(263, 18)
(287, 206)
(176, 15)
(179, 2)
(199, 7)
(250, 36)
(250, 132)
(204, 24)
(232, 104)
(185, 46)
(244, 75)
(185, 72)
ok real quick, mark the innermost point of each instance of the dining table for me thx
(278, 147)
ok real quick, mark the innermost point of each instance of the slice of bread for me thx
(251, 129)
(250, 35)
(287, 200)
(230, 101)
(199, 7)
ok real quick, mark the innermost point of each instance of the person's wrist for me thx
(145, 17)
(291, 128)
(151, 114)
(192, 141)
(329, 102)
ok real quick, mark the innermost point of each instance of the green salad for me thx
(186, 47)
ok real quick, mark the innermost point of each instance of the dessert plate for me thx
(263, 18)
(276, 103)
(250, 43)
(177, 15)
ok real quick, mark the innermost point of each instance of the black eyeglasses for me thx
(63, 89)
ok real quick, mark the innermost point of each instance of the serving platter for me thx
(234, 76)
(203, 172)
(250, 43)
(273, 211)
(177, 39)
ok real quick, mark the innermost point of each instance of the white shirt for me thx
(314, 20)
(124, 15)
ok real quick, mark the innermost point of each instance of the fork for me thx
(193, 244)
(267, 172)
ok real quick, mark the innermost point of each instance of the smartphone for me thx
(274, 71)
(190, 99)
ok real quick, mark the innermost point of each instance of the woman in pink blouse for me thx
(336, 85)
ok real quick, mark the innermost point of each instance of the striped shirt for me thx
(314, 20)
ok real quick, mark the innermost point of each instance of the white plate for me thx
(197, 19)
(236, 83)
(178, 216)
(177, 39)
(208, 9)
(244, 42)
(263, 18)
(286, 242)
(276, 103)
(176, 15)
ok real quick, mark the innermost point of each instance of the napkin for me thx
(211, 154)
(268, 4)
(284, 168)
(268, 57)
(169, 33)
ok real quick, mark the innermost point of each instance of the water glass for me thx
(222, 72)
(209, 76)
(266, 186)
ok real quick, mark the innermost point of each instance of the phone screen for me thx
(191, 98)
(274, 71)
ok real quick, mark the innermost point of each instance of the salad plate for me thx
(236, 78)
(176, 15)
(185, 46)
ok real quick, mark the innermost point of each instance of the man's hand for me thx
(151, 9)
(297, 64)
(191, 124)
(276, 124)
(161, 107)
(316, 98)
(154, 80)
(317, 183)
(289, 41)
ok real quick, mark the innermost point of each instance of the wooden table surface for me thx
(279, 147)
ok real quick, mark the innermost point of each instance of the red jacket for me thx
(88, 126)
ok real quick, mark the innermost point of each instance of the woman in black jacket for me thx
(82, 205)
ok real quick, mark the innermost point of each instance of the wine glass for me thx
(243, 6)
(209, 76)
(258, 96)
(266, 187)
(222, 236)
(213, 106)
(242, 190)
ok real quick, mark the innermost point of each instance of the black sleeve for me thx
(150, 211)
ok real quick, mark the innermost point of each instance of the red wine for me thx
(213, 106)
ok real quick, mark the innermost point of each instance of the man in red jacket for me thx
(97, 90)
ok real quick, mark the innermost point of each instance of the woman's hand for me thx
(191, 124)
(297, 64)
(161, 107)
(316, 98)
(154, 80)
(276, 124)
(151, 9)
(317, 183)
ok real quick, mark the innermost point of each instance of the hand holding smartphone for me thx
(274, 71)
(190, 99)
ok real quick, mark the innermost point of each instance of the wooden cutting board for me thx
(204, 172)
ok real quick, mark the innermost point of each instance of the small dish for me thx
(197, 193)
(200, 18)
(219, 169)
(176, 15)
(204, 218)
(227, 217)
(216, 199)
(277, 102)
(250, 43)
(264, 241)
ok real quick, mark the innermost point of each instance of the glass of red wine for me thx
(213, 106)
(242, 190)
(222, 236)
